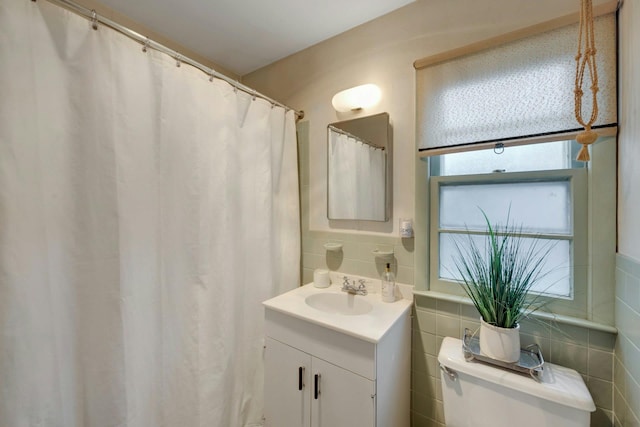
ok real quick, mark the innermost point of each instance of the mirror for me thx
(358, 169)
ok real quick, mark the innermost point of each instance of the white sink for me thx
(361, 316)
(344, 303)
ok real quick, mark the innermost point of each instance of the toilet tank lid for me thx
(558, 384)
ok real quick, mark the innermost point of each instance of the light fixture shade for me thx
(356, 98)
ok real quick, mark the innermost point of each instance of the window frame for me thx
(578, 180)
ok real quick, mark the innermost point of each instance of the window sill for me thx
(568, 320)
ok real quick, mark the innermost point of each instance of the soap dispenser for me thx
(388, 285)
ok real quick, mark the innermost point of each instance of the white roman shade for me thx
(515, 93)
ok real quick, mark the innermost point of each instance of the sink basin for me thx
(365, 317)
(347, 304)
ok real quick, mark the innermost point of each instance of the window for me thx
(550, 206)
(516, 96)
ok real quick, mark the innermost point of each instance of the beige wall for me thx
(629, 114)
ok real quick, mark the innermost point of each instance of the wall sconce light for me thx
(356, 98)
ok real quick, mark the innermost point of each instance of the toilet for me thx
(476, 394)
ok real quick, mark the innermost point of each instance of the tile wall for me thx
(627, 355)
(356, 256)
(587, 351)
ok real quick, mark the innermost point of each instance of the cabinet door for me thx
(286, 386)
(344, 399)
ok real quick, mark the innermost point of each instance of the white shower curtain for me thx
(145, 212)
(356, 175)
(343, 177)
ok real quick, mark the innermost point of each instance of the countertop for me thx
(370, 327)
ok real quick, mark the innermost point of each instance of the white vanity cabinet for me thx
(306, 391)
(316, 376)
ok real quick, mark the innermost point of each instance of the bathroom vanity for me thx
(334, 359)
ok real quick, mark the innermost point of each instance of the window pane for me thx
(555, 278)
(547, 156)
(542, 207)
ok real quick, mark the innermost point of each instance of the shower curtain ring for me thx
(94, 19)
(254, 95)
(499, 148)
(211, 74)
(146, 44)
(178, 60)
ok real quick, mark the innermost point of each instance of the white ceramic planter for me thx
(500, 343)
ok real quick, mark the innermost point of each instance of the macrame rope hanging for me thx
(586, 40)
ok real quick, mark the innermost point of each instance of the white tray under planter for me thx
(530, 362)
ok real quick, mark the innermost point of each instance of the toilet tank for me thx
(478, 394)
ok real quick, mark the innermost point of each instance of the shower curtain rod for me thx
(357, 138)
(150, 44)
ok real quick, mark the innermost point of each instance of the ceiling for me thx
(244, 35)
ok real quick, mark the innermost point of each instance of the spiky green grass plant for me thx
(498, 277)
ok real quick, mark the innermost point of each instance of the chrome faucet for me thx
(361, 289)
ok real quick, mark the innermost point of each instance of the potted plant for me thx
(498, 277)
